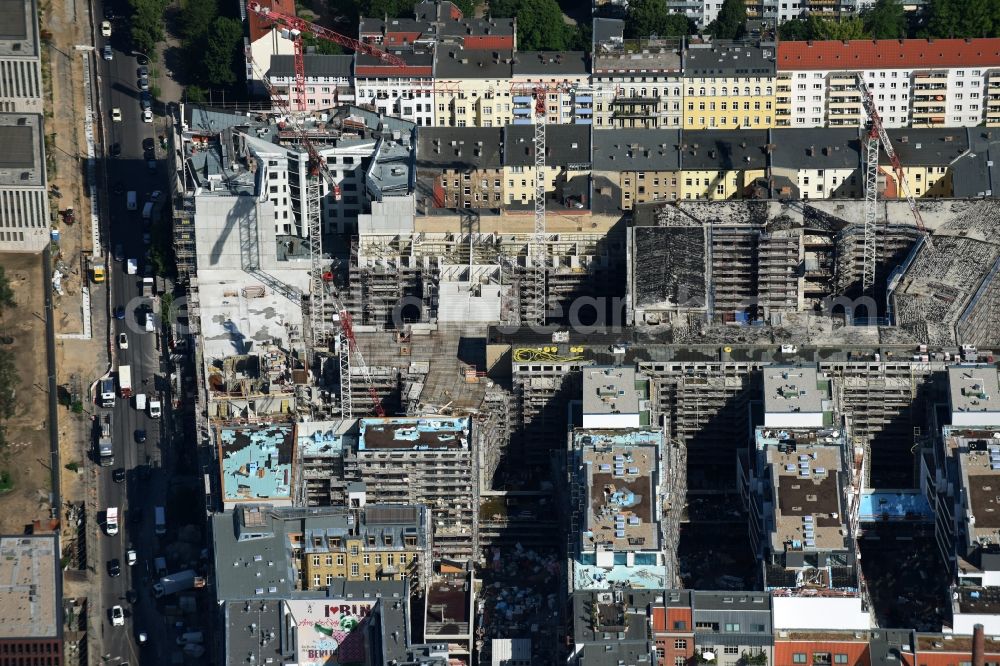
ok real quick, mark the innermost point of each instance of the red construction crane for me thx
(297, 26)
(317, 167)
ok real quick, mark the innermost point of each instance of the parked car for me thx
(116, 115)
(108, 53)
(141, 59)
(106, 28)
(117, 616)
(148, 143)
(131, 557)
(147, 116)
(119, 312)
(114, 568)
(119, 475)
(143, 83)
(122, 341)
(140, 436)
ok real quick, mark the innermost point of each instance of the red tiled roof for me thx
(258, 27)
(888, 54)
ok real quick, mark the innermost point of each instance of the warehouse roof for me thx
(458, 63)
(636, 149)
(718, 59)
(460, 148)
(888, 53)
(550, 63)
(565, 145)
(721, 150)
(337, 66)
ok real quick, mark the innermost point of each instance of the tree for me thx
(147, 24)
(943, 19)
(731, 21)
(321, 46)
(847, 28)
(6, 293)
(978, 18)
(195, 95)
(220, 56)
(197, 17)
(540, 25)
(885, 20)
(795, 30)
(651, 17)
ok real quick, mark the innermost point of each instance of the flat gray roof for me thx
(636, 149)
(974, 173)
(29, 606)
(19, 28)
(460, 148)
(974, 388)
(722, 59)
(456, 62)
(793, 389)
(316, 64)
(831, 148)
(930, 146)
(22, 161)
(564, 145)
(606, 30)
(610, 389)
(550, 63)
(722, 150)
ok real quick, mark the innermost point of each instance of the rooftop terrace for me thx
(418, 434)
(974, 394)
(256, 462)
(809, 514)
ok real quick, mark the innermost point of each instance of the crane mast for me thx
(539, 253)
(872, 137)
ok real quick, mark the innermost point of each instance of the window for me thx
(821, 658)
(840, 658)
(732, 626)
(367, 559)
(680, 661)
(354, 549)
(730, 649)
(680, 644)
(799, 658)
(329, 580)
(329, 560)
(340, 560)
(316, 580)
(354, 568)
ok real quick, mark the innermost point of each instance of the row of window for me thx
(390, 559)
(736, 106)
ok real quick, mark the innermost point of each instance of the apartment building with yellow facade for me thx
(729, 86)
(635, 166)
(472, 87)
(567, 165)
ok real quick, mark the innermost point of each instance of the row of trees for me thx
(887, 20)
(147, 23)
(540, 25)
(212, 43)
(8, 373)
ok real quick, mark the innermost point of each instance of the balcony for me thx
(923, 87)
(929, 111)
(931, 103)
(626, 99)
(930, 78)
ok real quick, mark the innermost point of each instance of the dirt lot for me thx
(27, 454)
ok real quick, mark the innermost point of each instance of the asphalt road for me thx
(145, 485)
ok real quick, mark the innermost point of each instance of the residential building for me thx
(429, 460)
(613, 627)
(618, 492)
(24, 199)
(927, 156)
(729, 625)
(816, 165)
(31, 603)
(913, 82)
(823, 647)
(729, 85)
(673, 628)
(635, 83)
(565, 77)
(404, 91)
(473, 87)
(262, 40)
(958, 475)
(328, 82)
(21, 60)
(802, 494)
(459, 168)
(567, 166)
(439, 22)
(973, 175)
(635, 166)
(449, 613)
(720, 164)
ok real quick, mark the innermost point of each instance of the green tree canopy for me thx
(147, 24)
(651, 17)
(540, 25)
(731, 22)
(223, 46)
(885, 20)
(6, 293)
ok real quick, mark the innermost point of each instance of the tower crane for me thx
(297, 26)
(347, 342)
(873, 135)
(539, 255)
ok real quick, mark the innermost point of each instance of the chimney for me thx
(978, 646)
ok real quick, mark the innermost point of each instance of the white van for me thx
(140, 401)
(132, 200)
(147, 211)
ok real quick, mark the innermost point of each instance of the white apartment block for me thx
(930, 83)
(20, 59)
(404, 92)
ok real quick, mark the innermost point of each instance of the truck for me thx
(125, 381)
(155, 407)
(106, 388)
(147, 287)
(111, 521)
(178, 582)
(160, 516)
(105, 446)
(131, 266)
